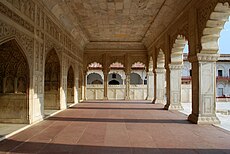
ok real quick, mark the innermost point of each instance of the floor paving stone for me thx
(118, 128)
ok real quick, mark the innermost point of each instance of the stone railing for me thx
(95, 92)
(138, 92)
(116, 92)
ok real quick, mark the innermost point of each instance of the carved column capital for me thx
(204, 58)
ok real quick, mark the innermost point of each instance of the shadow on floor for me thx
(114, 108)
(118, 102)
(119, 120)
(34, 147)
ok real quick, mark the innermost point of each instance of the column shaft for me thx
(174, 101)
(105, 86)
(84, 86)
(127, 87)
(204, 89)
(160, 86)
(150, 85)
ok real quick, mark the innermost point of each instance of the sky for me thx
(224, 40)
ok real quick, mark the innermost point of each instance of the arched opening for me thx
(135, 79)
(138, 74)
(14, 84)
(138, 90)
(223, 65)
(70, 86)
(95, 81)
(204, 104)
(116, 76)
(52, 81)
(180, 75)
(114, 82)
(115, 79)
(94, 78)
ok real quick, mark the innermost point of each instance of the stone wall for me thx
(14, 108)
(36, 32)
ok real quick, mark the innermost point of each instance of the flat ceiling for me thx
(116, 20)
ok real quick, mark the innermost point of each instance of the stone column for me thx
(63, 92)
(15, 85)
(105, 85)
(174, 101)
(76, 99)
(84, 93)
(127, 86)
(204, 89)
(160, 86)
(150, 85)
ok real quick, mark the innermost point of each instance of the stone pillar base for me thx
(174, 107)
(105, 98)
(203, 119)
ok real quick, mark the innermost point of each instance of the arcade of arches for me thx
(57, 53)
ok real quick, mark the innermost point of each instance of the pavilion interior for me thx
(56, 53)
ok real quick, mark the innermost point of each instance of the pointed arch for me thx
(52, 81)
(14, 79)
(70, 77)
(70, 85)
(23, 50)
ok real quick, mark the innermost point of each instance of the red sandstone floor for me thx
(118, 128)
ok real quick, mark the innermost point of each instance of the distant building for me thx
(222, 79)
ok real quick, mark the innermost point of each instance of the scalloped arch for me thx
(214, 25)
(161, 59)
(177, 49)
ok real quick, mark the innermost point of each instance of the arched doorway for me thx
(70, 86)
(52, 81)
(14, 84)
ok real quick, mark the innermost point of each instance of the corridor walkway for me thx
(118, 128)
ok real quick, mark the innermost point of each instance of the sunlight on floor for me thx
(222, 108)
